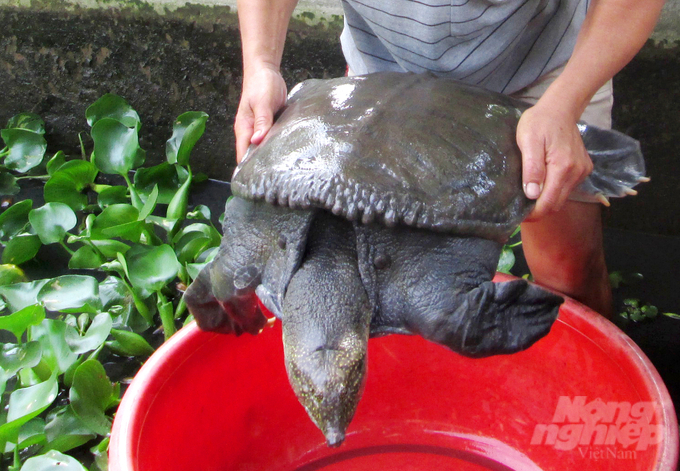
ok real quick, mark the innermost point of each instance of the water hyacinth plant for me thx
(130, 242)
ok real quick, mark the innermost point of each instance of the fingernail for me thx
(256, 136)
(532, 190)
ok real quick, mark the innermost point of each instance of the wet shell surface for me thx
(395, 148)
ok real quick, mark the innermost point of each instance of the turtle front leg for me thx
(261, 247)
(492, 319)
(440, 287)
(326, 318)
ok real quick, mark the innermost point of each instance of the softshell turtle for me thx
(379, 204)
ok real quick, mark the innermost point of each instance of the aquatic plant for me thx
(131, 244)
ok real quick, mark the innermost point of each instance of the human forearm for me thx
(263, 25)
(613, 32)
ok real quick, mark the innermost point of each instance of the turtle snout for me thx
(334, 437)
(328, 383)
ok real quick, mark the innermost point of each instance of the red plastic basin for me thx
(583, 398)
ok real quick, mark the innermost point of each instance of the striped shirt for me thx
(501, 45)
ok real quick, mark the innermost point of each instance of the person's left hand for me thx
(554, 159)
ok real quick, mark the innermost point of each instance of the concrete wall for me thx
(668, 27)
(168, 56)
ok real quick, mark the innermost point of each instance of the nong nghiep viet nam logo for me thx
(583, 423)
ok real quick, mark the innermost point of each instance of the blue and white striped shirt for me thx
(502, 45)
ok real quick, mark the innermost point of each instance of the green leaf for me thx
(68, 374)
(94, 337)
(129, 344)
(193, 269)
(209, 255)
(90, 396)
(632, 302)
(113, 195)
(67, 185)
(26, 149)
(51, 333)
(10, 274)
(4, 376)
(118, 300)
(27, 401)
(101, 455)
(118, 220)
(151, 268)
(14, 219)
(19, 321)
(506, 260)
(164, 223)
(29, 121)
(649, 311)
(51, 221)
(177, 208)
(55, 163)
(140, 158)
(24, 404)
(114, 107)
(109, 247)
(71, 293)
(29, 377)
(168, 177)
(615, 279)
(31, 433)
(150, 204)
(20, 295)
(8, 184)
(65, 431)
(187, 130)
(115, 146)
(86, 258)
(200, 212)
(82, 172)
(193, 248)
(20, 249)
(16, 357)
(52, 461)
(197, 229)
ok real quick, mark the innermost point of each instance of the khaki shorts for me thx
(597, 113)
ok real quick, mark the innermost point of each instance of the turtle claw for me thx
(603, 199)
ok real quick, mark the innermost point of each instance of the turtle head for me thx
(326, 322)
(328, 382)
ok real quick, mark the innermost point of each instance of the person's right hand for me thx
(264, 93)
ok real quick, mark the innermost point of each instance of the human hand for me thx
(264, 93)
(554, 158)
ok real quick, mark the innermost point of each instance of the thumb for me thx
(264, 118)
(533, 165)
